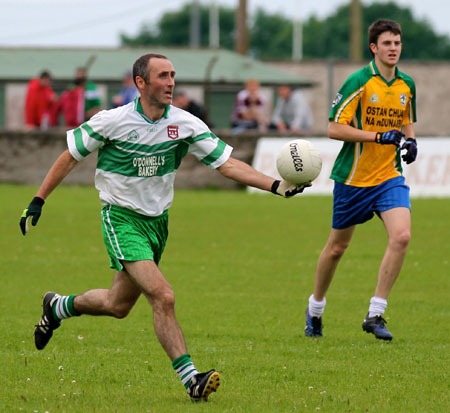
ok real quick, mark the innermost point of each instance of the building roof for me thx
(108, 64)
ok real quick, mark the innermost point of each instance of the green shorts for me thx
(130, 236)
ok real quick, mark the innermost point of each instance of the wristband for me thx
(274, 187)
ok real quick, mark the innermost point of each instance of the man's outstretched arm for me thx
(241, 172)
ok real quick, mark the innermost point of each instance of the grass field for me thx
(242, 269)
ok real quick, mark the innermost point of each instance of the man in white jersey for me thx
(140, 146)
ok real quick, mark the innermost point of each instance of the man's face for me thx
(388, 48)
(284, 91)
(158, 89)
(46, 81)
(80, 77)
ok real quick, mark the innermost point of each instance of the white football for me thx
(299, 162)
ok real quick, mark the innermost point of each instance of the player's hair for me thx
(140, 67)
(380, 26)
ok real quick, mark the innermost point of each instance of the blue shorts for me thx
(354, 205)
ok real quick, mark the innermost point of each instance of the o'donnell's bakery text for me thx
(148, 166)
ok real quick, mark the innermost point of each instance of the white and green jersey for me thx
(138, 158)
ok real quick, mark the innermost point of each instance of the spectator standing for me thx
(127, 93)
(248, 112)
(38, 101)
(79, 102)
(292, 112)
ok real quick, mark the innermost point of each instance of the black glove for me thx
(411, 150)
(392, 137)
(286, 189)
(34, 211)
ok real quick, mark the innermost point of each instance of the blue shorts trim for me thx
(355, 205)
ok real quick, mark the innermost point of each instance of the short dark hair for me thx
(140, 67)
(381, 26)
(45, 74)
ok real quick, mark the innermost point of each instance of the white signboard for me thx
(429, 175)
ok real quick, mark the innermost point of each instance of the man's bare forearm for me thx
(59, 170)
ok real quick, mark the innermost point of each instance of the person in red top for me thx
(78, 103)
(39, 100)
(71, 105)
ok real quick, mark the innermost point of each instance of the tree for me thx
(173, 29)
(271, 35)
(331, 37)
(419, 40)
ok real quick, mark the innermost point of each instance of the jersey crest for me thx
(133, 136)
(374, 98)
(403, 99)
(172, 131)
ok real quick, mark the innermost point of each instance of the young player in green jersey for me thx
(371, 110)
(140, 146)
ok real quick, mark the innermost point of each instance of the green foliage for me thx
(328, 38)
(331, 37)
(271, 35)
(242, 269)
(420, 42)
(173, 29)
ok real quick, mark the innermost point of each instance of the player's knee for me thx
(401, 239)
(168, 299)
(165, 299)
(337, 250)
(121, 310)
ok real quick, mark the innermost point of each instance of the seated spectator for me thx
(292, 113)
(78, 103)
(182, 101)
(248, 112)
(38, 101)
(127, 93)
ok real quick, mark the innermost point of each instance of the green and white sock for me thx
(63, 307)
(185, 369)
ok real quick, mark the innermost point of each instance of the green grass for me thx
(242, 269)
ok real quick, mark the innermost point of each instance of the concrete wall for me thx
(25, 158)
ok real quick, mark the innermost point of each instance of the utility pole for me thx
(356, 31)
(297, 32)
(195, 25)
(241, 28)
(297, 40)
(214, 33)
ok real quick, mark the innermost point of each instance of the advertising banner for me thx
(428, 176)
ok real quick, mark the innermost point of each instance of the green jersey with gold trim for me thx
(368, 102)
(138, 158)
